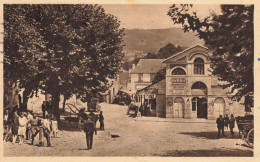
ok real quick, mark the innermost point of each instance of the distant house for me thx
(154, 95)
(112, 91)
(141, 76)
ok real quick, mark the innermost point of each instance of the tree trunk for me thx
(64, 102)
(55, 105)
(26, 94)
(89, 105)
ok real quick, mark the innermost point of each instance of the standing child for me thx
(22, 127)
(54, 127)
(46, 123)
(7, 132)
(28, 128)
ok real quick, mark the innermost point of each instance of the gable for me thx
(185, 55)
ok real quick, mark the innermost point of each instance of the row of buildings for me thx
(188, 89)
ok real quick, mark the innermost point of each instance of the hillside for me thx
(153, 39)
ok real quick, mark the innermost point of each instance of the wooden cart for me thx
(245, 125)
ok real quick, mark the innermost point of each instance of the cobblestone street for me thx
(140, 136)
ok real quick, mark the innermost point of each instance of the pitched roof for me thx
(146, 88)
(148, 66)
(183, 52)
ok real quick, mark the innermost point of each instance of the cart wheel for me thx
(250, 138)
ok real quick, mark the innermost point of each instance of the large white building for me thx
(189, 90)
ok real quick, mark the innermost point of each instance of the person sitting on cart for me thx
(220, 125)
(232, 124)
(132, 104)
(226, 121)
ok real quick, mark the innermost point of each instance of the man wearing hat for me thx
(220, 126)
(89, 128)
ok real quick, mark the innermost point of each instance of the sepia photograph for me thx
(128, 80)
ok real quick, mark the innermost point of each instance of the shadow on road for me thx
(172, 121)
(84, 149)
(132, 115)
(210, 135)
(208, 153)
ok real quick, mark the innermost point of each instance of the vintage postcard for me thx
(129, 80)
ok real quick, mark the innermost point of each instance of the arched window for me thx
(178, 71)
(199, 85)
(199, 66)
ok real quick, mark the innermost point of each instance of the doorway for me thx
(178, 107)
(200, 105)
(219, 107)
(200, 102)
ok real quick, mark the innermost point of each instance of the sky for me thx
(150, 16)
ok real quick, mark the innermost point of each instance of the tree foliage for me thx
(163, 53)
(69, 49)
(160, 75)
(229, 36)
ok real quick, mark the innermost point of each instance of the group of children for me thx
(26, 126)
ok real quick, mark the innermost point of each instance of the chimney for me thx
(133, 66)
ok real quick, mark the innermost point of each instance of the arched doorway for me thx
(219, 107)
(178, 107)
(199, 101)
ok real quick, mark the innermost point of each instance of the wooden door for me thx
(219, 108)
(178, 108)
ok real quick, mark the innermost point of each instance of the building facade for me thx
(190, 89)
(141, 76)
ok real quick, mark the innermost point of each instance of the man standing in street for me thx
(220, 125)
(226, 121)
(89, 128)
(232, 124)
(101, 120)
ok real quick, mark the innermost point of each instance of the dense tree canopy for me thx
(67, 49)
(230, 38)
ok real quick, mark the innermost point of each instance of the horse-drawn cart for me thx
(245, 125)
(77, 115)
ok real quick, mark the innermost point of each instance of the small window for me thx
(194, 103)
(140, 77)
(178, 71)
(199, 66)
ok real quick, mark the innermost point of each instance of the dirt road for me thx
(141, 136)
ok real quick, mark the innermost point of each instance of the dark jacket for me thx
(220, 123)
(101, 117)
(89, 126)
(232, 122)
